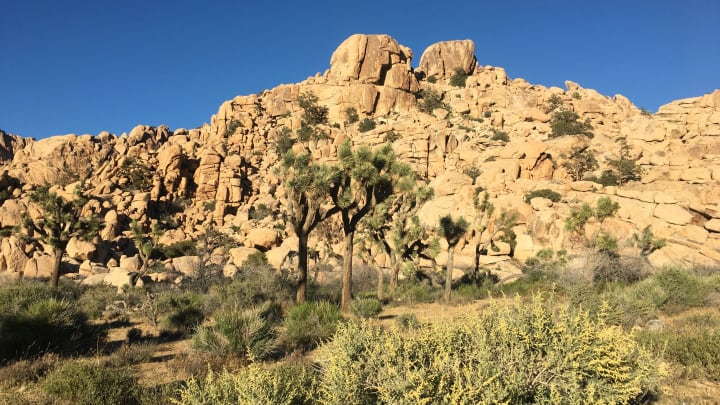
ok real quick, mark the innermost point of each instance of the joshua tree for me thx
(488, 227)
(365, 179)
(452, 231)
(59, 221)
(393, 225)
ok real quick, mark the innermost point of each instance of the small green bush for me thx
(366, 125)
(85, 383)
(459, 78)
(366, 307)
(310, 323)
(391, 136)
(684, 289)
(430, 100)
(551, 195)
(130, 354)
(695, 347)
(432, 79)
(261, 211)
(184, 311)
(251, 333)
(178, 249)
(313, 114)
(565, 122)
(35, 322)
(283, 384)
(417, 292)
(352, 115)
(407, 321)
(499, 135)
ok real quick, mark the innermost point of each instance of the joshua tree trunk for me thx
(396, 264)
(448, 273)
(347, 272)
(55, 277)
(302, 268)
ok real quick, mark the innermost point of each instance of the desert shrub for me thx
(250, 333)
(129, 354)
(499, 135)
(352, 115)
(407, 321)
(366, 125)
(366, 307)
(94, 299)
(565, 122)
(695, 347)
(414, 292)
(309, 132)
(254, 283)
(432, 79)
(135, 175)
(184, 311)
(310, 323)
(161, 394)
(283, 141)
(391, 136)
(458, 78)
(34, 321)
(553, 103)
(313, 114)
(551, 195)
(430, 100)
(178, 249)
(525, 353)
(684, 289)
(260, 212)
(86, 383)
(473, 172)
(289, 384)
(28, 370)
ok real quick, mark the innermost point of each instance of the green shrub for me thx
(283, 141)
(487, 114)
(184, 311)
(178, 249)
(310, 323)
(430, 100)
(565, 122)
(313, 114)
(366, 307)
(94, 299)
(499, 135)
(85, 383)
(458, 78)
(544, 193)
(407, 321)
(553, 103)
(130, 354)
(281, 384)
(696, 348)
(683, 288)
(254, 283)
(352, 115)
(26, 371)
(251, 333)
(366, 125)
(473, 172)
(32, 324)
(432, 79)
(391, 136)
(527, 353)
(412, 292)
(260, 212)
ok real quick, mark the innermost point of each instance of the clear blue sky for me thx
(81, 67)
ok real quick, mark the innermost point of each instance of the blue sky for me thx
(86, 66)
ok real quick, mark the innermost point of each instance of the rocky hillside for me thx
(220, 177)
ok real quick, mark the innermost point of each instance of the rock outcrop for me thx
(219, 179)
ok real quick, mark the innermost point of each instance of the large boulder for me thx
(443, 58)
(374, 59)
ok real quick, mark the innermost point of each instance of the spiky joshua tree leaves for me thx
(452, 230)
(59, 220)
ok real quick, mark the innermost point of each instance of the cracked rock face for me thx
(373, 59)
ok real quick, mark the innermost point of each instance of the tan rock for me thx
(442, 58)
(713, 225)
(187, 265)
(80, 249)
(263, 238)
(240, 254)
(540, 203)
(673, 214)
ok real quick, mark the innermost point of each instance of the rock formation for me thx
(220, 176)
